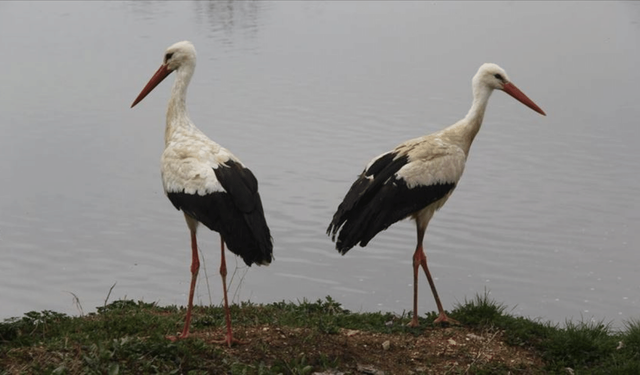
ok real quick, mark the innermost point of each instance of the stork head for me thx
(493, 77)
(179, 55)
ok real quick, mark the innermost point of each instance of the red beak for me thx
(160, 75)
(512, 90)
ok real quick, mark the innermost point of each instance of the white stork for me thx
(415, 179)
(207, 182)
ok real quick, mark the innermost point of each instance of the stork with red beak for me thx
(415, 180)
(207, 182)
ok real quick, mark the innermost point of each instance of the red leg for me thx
(228, 339)
(195, 267)
(416, 265)
(420, 259)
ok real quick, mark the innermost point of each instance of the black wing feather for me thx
(365, 186)
(377, 199)
(236, 214)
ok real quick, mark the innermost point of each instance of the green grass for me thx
(586, 347)
(129, 337)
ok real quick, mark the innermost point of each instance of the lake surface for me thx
(546, 217)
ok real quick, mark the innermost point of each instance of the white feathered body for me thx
(189, 160)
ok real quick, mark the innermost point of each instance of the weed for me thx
(630, 341)
(480, 311)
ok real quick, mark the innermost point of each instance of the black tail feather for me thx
(246, 234)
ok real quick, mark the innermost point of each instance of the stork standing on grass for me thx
(415, 179)
(208, 183)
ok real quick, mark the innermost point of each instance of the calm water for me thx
(547, 216)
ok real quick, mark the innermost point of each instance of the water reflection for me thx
(221, 19)
(229, 16)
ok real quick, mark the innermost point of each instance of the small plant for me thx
(32, 326)
(480, 311)
(580, 344)
(295, 366)
(631, 339)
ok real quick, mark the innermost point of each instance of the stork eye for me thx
(498, 76)
(168, 56)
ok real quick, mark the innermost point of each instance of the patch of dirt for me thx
(436, 351)
(452, 350)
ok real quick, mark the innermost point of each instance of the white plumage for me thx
(188, 165)
(415, 180)
(208, 183)
(431, 161)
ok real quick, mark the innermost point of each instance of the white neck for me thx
(466, 129)
(177, 115)
(481, 95)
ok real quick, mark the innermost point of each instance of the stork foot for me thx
(444, 320)
(414, 322)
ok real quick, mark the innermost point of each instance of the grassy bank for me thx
(128, 337)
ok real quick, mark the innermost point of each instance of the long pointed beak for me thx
(160, 75)
(512, 90)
